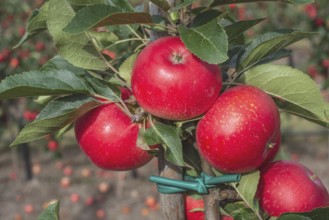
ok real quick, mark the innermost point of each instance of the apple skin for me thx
(108, 137)
(236, 133)
(171, 88)
(287, 186)
(193, 203)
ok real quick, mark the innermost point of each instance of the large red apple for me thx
(287, 186)
(170, 82)
(194, 208)
(237, 133)
(108, 137)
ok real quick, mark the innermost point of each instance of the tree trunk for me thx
(172, 205)
(211, 205)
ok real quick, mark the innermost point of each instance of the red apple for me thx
(287, 186)
(68, 171)
(100, 213)
(108, 137)
(75, 197)
(52, 145)
(39, 46)
(29, 208)
(151, 202)
(104, 187)
(65, 182)
(90, 201)
(237, 133)
(14, 62)
(125, 93)
(193, 208)
(170, 82)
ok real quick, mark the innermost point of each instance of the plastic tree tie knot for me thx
(200, 184)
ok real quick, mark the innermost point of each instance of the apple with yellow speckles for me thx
(287, 186)
(108, 137)
(237, 133)
(170, 82)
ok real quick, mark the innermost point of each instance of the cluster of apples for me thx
(239, 131)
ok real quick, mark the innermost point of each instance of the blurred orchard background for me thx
(55, 168)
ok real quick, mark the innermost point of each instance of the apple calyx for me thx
(177, 58)
(271, 145)
(139, 115)
(313, 177)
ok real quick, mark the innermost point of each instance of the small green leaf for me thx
(126, 68)
(181, 5)
(235, 30)
(168, 136)
(59, 63)
(316, 214)
(78, 49)
(51, 212)
(104, 88)
(163, 4)
(105, 39)
(56, 115)
(102, 15)
(36, 23)
(208, 42)
(295, 92)
(36, 83)
(191, 157)
(247, 188)
(267, 44)
(239, 211)
(123, 4)
(205, 17)
(86, 2)
(224, 2)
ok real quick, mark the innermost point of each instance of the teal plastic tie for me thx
(200, 184)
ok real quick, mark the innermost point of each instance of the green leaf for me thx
(163, 4)
(104, 88)
(181, 5)
(168, 136)
(102, 15)
(224, 2)
(123, 4)
(295, 92)
(267, 44)
(78, 49)
(36, 83)
(236, 30)
(51, 212)
(59, 63)
(104, 39)
(86, 2)
(316, 214)
(208, 42)
(247, 188)
(36, 23)
(205, 17)
(239, 211)
(191, 158)
(56, 115)
(126, 68)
